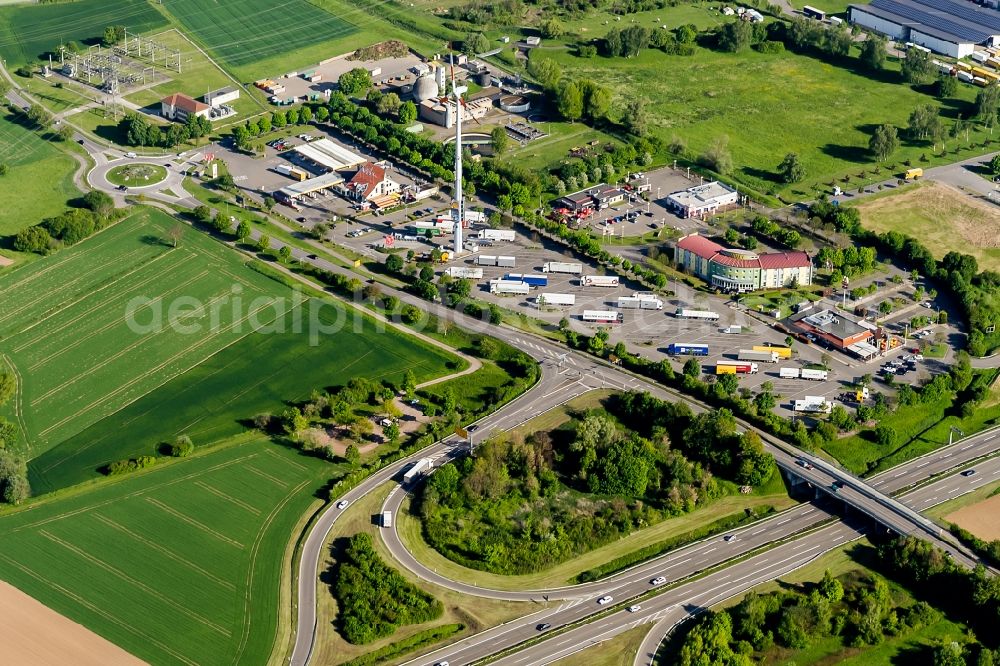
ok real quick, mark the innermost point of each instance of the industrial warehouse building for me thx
(598, 197)
(442, 111)
(222, 96)
(949, 27)
(741, 270)
(703, 200)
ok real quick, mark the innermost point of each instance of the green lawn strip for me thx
(137, 175)
(200, 540)
(39, 180)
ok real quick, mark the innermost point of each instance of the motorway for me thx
(674, 605)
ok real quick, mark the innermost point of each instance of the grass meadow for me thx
(93, 390)
(28, 32)
(39, 180)
(178, 565)
(943, 219)
(764, 105)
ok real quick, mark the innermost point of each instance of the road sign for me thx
(357, 263)
(462, 432)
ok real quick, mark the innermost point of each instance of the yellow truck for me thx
(782, 352)
(913, 174)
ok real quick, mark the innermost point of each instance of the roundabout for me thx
(136, 175)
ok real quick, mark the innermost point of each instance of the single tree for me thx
(884, 142)
(499, 140)
(791, 169)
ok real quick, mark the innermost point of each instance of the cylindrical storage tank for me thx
(483, 79)
(514, 103)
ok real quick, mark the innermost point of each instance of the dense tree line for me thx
(977, 292)
(374, 599)
(69, 227)
(14, 486)
(860, 612)
(508, 508)
(135, 130)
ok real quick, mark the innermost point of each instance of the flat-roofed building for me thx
(703, 200)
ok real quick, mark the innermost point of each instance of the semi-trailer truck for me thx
(817, 375)
(813, 403)
(634, 302)
(417, 469)
(783, 352)
(751, 355)
(507, 235)
(788, 373)
(486, 260)
(723, 368)
(562, 267)
(705, 315)
(599, 280)
(467, 272)
(556, 300)
(509, 288)
(603, 316)
(682, 348)
(530, 278)
(506, 261)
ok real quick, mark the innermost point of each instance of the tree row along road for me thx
(673, 606)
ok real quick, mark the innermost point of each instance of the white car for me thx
(342, 504)
(633, 609)
(606, 599)
(442, 663)
(918, 357)
(659, 580)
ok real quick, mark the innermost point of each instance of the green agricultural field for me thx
(27, 32)
(179, 565)
(39, 180)
(95, 388)
(764, 106)
(243, 33)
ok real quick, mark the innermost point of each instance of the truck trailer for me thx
(634, 302)
(467, 272)
(704, 315)
(813, 403)
(603, 316)
(751, 355)
(726, 368)
(681, 348)
(416, 469)
(507, 235)
(816, 375)
(509, 287)
(783, 352)
(531, 278)
(555, 300)
(562, 267)
(506, 262)
(598, 280)
(788, 373)
(486, 260)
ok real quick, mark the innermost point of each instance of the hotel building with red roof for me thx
(738, 270)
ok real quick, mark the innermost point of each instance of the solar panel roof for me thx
(954, 20)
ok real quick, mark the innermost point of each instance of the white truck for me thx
(763, 356)
(705, 315)
(814, 404)
(635, 302)
(555, 300)
(486, 260)
(416, 469)
(497, 235)
(467, 272)
(387, 519)
(509, 288)
(562, 267)
(788, 373)
(475, 217)
(506, 262)
(599, 280)
(805, 373)
(733, 329)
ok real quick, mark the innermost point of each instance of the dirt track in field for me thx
(33, 634)
(982, 518)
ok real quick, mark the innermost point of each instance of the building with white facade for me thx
(737, 270)
(703, 200)
(950, 27)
